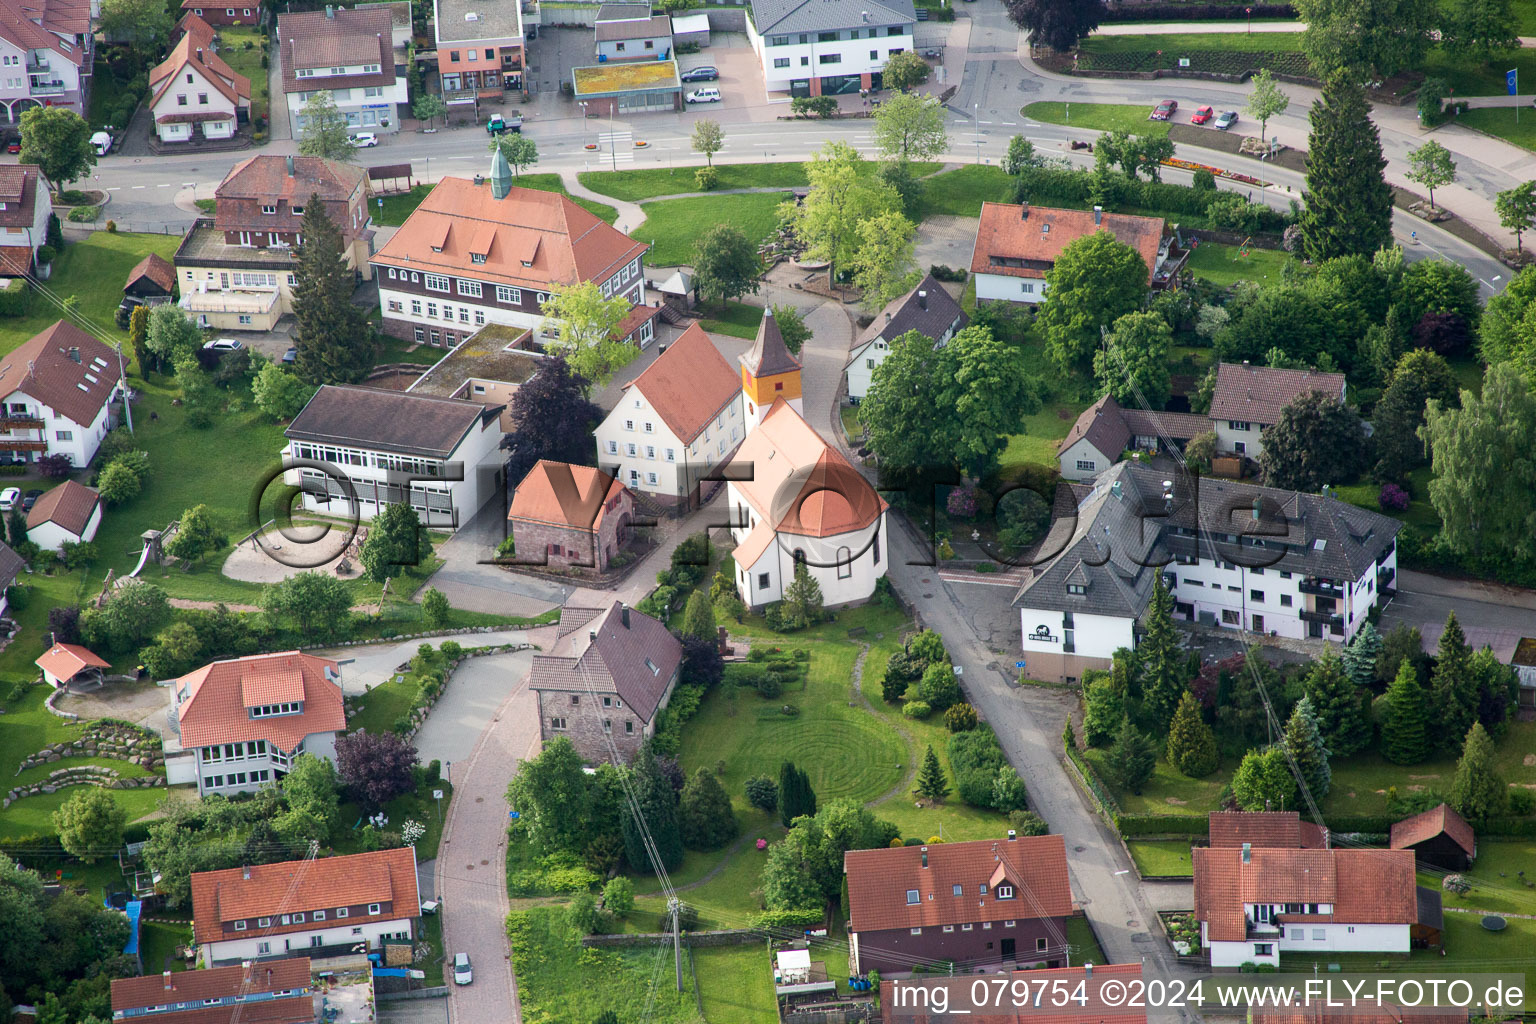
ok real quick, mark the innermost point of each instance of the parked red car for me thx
(1164, 110)
(1202, 115)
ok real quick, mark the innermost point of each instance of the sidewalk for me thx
(630, 214)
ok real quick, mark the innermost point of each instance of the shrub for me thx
(1028, 823)
(942, 273)
(960, 717)
(916, 709)
(84, 214)
(15, 298)
(45, 255)
(975, 758)
(1392, 498)
(706, 178)
(939, 687)
(763, 793)
(961, 503)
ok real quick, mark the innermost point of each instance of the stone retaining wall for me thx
(81, 775)
(100, 739)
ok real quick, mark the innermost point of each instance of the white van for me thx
(103, 143)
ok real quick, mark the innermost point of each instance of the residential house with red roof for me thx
(237, 725)
(982, 905)
(676, 423)
(274, 992)
(610, 672)
(1253, 903)
(56, 395)
(195, 95)
(349, 53)
(68, 513)
(1247, 399)
(476, 253)
(327, 906)
(243, 13)
(237, 268)
(793, 499)
(1439, 837)
(361, 448)
(1278, 829)
(901, 1004)
(25, 204)
(564, 515)
(1017, 244)
(46, 49)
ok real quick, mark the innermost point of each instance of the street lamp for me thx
(1249, 11)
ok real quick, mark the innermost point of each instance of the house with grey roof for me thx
(1249, 398)
(627, 32)
(609, 674)
(1106, 429)
(827, 47)
(928, 309)
(353, 450)
(1232, 554)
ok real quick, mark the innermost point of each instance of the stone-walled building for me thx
(566, 516)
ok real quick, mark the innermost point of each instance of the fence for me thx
(859, 1011)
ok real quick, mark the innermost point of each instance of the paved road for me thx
(1424, 600)
(365, 667)
(478, 689)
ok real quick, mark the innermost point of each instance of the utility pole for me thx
(676, 906)
(122, 380)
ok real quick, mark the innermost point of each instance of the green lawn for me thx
(960, 193)
(1468, 947)
(1420, 512)
(106, 93)
(432, 934)
(674, 225)
(1168, 791)
(394, 209)
(93, 270)
(738, 319)
(560, 981)
(157, 944)
(241, 48)
(1499, 879)
(1085, 947)
(1161, 859)
(384, 704)
(728, 900)
(1042, 432)
(1226, 265)
(1500, 122)
(648, 182)
(851, 425)
(34, 815)
(1525, 17)
(1104, 117)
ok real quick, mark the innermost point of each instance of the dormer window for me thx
(983, 888)
(912, 897)
(652, 666)
(1005, 892)
(529, 263)
(268, 209)
(1076, 588)
(477, 257)
(270, 710)
(298, 211)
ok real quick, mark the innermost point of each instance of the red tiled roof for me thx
(1283, 829)
(292, 886)
(1364, 886)
(1041, 980)
(879, 881)
(291, 1010)
(337, 38)
(157, 269)
(1256, 394)
(1443, 819)
(689, 384)
(564, 243)
(43, 366)
(192, 50)
(18, 190)
(68, 506)
(18, 28)
(65, 661)
(194, 26)
(15, 260)
(1039, 238)
(214, 709)
(291, 973)
(1318, 1013)
(565, 495)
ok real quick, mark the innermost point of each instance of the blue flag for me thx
(1512, 80)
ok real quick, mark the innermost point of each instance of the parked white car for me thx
(223, 345)
(462, 975)
(704, 96)
(10, 498)
(363, 140)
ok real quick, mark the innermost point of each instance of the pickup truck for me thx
(498, 124)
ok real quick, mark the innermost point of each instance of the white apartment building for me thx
(354, 450)
(827, 47)
(56, 395)
(239, 724)
(1231, 554)
(45, 58)
(676, 423)
(349, 54)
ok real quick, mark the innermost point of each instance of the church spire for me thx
(769, 372)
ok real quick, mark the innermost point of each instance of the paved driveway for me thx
(470, 583)
(479, 687)
(471, 864)
(365, 667)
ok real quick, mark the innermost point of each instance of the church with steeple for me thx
(691, 421)
(485, 251)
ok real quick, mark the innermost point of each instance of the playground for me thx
(273, 554)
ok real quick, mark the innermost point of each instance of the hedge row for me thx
(1074, 188)
(15, 298)
(1194, 12)
(1133, 826)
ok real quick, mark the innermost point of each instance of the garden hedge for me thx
(1194, 12)
(15, 298)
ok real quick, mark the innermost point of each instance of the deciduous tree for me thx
(1431, 165)
(909, 126)
(312, 786)
(279, 393)
(375, 767)
(552, 419)
(1316, 441)
(323, 131)
(1265, 100)
(656, 806)
(1479, 28)
(313, 603)
(1021, 156)
(1096, 280)
(1508, 331)
(135, 613)
(435, 608)
(1484, 487)
(1058, 24)
(842, 196)
(1133, 364)
(699, 617)
(1478, 792)
(1365, 39)
(791, 327)
(90, 824)
(1420, 375)
(905, 71)
(882, 265)
(1263, 781)
(707, 138)
(1348, 203)
(1516, 208)
(1104, 707)
(334, 342)
(171, 336)
(143, 24)
(58, 141)
(1404, 726)
(521, 151)
(428, 107)
(197, 535)
(725, 263)
(585, 322)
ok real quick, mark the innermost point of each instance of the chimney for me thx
(1256, 504)
(1247, 853)
(166, 977)
(245, 872)
(922, 300)
(330, 12)
(1115, 487)
(74, 354)
(925, 856)
(245, 965)
(624, 615)
(887, 318)
(864, 15)
(1087, 970)
(1098, 215)
(199, 55)
(1012, 835)
(592, 635)
(1023, 211)
(289, 161)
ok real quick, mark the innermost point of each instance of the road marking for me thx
(164, 184)
(141, 186)
(119, 189)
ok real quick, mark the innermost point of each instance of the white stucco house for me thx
(1247, 399)
(237, 725)
(327, 906)
(1255, 903)
(928, 309)
(69, 513)
(358, 449)
(196, 94)
(56, 395)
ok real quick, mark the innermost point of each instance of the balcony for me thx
(1320, 587)
(1384, 577)
(53, 87)
(1326, 618)
(10, 423)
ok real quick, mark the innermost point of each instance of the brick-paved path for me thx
(471, 862)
